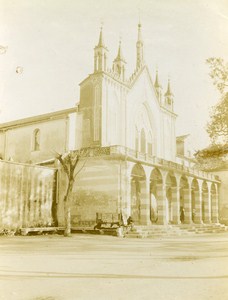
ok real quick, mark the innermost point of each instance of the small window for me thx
(136, 139)
(143, 141)
(149, 144)
(36, 140)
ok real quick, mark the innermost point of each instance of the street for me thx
(86, 267)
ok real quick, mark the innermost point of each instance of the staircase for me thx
(203, 228)
(157, 231)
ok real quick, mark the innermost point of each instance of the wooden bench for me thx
(108, 221)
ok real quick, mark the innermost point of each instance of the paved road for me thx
(87, 267)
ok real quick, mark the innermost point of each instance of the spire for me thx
(120, 54)
(101, 42)
(156, 83)
(139, 33)
(169, 97)
(100, 54)
(119, 63)
(139, 46)
(158, 87)
(168, 92)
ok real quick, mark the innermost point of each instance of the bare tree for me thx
(69, 162)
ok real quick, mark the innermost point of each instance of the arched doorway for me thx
(185, 204)
(170, 204)
(205, 204)
(194, 191)
(138, 182)
(155, 180)
(214, 204)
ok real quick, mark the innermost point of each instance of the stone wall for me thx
(27, 195)
(96, 190)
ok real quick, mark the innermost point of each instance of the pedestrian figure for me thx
(130, 222)
(193, 214)
(99, 224)
(182, 215)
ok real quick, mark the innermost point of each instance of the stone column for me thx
(214, 208)
(187, 205)
(207, 207)
(198, 207)
(127, 197)
(161, 201)
(145, 203)
(176, 204)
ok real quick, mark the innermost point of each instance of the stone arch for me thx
(185, 203)
(155, 180)
(205, 204)
(214, 203)
(138, 187)
(194, 191)
(171, 186)
(184, 185)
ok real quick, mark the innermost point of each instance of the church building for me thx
(128, 126)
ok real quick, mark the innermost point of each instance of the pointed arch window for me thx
(149, 144)
(143, 141)
(36, 140)
(136, 139)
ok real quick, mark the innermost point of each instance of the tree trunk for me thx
(67, 215)
(67, 209)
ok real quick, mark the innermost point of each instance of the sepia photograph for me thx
(113, 149)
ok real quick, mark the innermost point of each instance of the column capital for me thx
(209, 183)
(200, 183)
(161, 185)
(189, 179)
(164, 174)
(178, 177)
(175, 188)
(148, 170)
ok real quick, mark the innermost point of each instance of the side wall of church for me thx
(20, 141)
(96, 190)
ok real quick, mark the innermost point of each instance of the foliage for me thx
(217, 128)
(217, 150)
(218, 73)
(213, 157)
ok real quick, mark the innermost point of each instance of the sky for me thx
(49, 51)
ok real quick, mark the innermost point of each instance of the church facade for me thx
(134, 169)
(128, 127)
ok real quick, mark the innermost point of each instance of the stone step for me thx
(153, 231)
